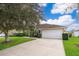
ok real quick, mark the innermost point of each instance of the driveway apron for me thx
(38, 47)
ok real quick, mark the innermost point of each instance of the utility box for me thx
(65, 36)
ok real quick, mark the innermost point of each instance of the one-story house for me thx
(51, 31)
(75, 32)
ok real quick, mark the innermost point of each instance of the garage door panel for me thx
(52, 33)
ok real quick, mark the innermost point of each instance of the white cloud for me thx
(42, 22)
(42, 4)
(75, 26)
(63, 20)
(77, 11)
(50, 21)
(63, 8)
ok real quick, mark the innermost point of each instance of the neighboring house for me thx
(75, 32)
(2, 34)
(51, 31)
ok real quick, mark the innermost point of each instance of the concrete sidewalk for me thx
(39, 47)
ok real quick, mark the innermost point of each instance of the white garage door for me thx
(52, 33)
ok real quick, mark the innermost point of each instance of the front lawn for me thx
(71, 46)
(14, 41)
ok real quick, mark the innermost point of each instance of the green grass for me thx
(70, 46)
(14, 41)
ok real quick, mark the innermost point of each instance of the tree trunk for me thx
(6, 36)
(24, 31)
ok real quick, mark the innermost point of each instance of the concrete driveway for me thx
(39, 47)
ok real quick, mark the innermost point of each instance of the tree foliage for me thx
(19, 16)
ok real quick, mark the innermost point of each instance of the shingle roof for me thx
(50, 26)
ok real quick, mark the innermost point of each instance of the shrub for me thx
(65, 36)
(70, 35)
(18, 34)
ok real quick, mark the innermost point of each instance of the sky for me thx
(64, 14)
